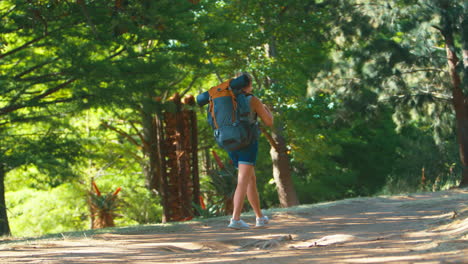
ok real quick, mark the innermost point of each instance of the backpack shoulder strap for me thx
(252, 114)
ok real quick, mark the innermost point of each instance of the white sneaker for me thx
(238, 224)
(262, 221)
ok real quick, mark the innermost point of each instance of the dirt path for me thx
(419, 228)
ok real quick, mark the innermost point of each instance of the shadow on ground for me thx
(418, 228)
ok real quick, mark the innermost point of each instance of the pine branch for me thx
(54, 102)
(25, 45)
(45, 34)
(372, 4)
(216, 72)
(442, 97)
(178, 81)
(58, 101)
(99, 172)
(40, 65)
(31, 102)
(18, 95)
(117, 53)
(140, 159)
(132, 124)
(54, 90)
(37, 134)
(31, 119)
(122, 133)
(8, 12)
(423, 70)
(41, 78)
(189, 87)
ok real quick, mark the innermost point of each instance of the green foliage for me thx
(217, 188)
(139, 206)
(360, 87)
(224, 180)
(417, 155)
(213, 209)
(106, 203)
(38, 212)
(46, 151)
(331, 156)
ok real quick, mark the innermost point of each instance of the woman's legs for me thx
(252, 195)
(246, 185)
(243, 180)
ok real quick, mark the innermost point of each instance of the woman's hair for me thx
(247, 77)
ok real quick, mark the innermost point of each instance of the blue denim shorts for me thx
(247, 155)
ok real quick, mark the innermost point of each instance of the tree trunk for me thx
(171, 144)
(464, 125)
(103, 220)
(278, 151)
(194, 151)
(161, 173)
(184, 160)
(460, 100)
(162, 152)
(4, 226)
(206, 161)
(90, 207)
(153, 138)
(181, 177)
(281, 168)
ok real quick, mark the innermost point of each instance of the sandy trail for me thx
(417, 228)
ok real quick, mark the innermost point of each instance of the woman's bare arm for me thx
(262, 111)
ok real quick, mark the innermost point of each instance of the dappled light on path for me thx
(422, 228)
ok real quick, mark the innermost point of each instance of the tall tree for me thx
(454, 25)
(284, 47)
(395, 50)
(59, 57)
(293, 51)
(52, 147)
(36, 88)
(169, 57)
(4, 225)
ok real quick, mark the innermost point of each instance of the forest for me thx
(98, 125)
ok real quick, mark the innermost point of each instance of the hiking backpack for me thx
(229, 114)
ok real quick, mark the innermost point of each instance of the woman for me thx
(244, 159)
